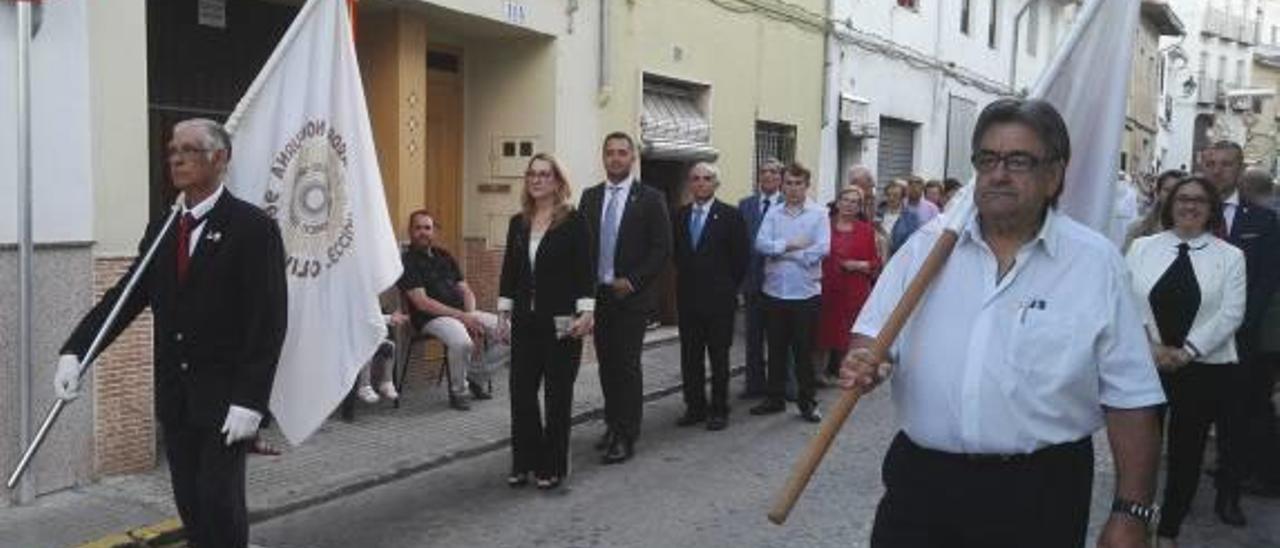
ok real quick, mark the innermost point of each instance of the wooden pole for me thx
(837, 415)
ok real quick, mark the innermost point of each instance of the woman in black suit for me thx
(546, 297)
(1190, 286)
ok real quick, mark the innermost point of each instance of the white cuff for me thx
(586, 304)
(505, 304)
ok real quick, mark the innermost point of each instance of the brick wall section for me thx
(124, 412)
(481, 267)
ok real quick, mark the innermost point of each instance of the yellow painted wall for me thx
(118, 105)
(758, 69)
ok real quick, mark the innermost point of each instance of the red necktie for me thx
(185, 224)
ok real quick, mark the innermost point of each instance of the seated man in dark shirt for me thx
(442, 305)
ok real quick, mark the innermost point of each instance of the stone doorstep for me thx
(169, 533)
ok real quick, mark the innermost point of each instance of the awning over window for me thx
(673, 127)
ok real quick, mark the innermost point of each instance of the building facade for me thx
(460, 95)
(910, 78)
(1145, 87)
(1208, 76)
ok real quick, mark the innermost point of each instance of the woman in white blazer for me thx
(1190, 285)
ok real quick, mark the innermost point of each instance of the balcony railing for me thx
(1210, 91)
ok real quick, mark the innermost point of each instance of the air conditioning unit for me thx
(855, 111)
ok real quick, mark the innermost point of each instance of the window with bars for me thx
(775, 141)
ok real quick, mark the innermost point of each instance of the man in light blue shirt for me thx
(793, 239)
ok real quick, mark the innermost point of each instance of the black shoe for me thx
(691, 418)
(717, 422)
(1227, 506)
(459, 402)
(548, 482)
(750, 395)
(621, 450)
(809, 412)
(605, 440)
(769, 407)
(479, 392)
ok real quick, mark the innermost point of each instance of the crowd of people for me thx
(1061, 333)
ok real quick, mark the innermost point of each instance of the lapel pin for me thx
(214, 237)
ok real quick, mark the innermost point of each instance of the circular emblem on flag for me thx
(308, 197)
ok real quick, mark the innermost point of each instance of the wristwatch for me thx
(1146, 513)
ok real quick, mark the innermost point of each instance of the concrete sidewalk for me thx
(382, 444)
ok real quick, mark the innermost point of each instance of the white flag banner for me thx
(1088, 82)
(303, 151)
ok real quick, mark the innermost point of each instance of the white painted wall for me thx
(118, 118)
(62, 178)
(918, 59)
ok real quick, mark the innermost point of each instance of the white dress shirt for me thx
(199, 211)
(619, 191)
(1220, 273)
(797, 274)
(1013, 365)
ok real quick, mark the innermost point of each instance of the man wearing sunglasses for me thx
(1027, 343)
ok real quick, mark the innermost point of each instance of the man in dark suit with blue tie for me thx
(753, 209)
(1250, 447)
(711, 259)
(633, 237)
(216, 288)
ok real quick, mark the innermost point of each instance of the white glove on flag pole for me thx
(302, 149)
(1088, 82)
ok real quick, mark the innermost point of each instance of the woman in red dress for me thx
(847, 274)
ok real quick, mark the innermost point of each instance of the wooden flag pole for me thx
(836, 416)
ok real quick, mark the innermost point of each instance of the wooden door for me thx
(443, 142)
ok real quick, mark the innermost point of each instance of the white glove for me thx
(241, 424)
(66, 380)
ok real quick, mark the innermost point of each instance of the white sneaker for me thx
(366, 394)
(388, 390)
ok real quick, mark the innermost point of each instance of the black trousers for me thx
(943, 500)
(208, 485)
(705, 335)
(537, 356)
(1247, 439)
(619, 339)
(1197, 398)
(791, 327)
(757, 319)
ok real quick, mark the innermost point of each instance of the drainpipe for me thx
(603, 86)
(1013, 56)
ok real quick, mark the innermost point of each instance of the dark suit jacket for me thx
(710, 274)
(1255, 232)
(565, 269)
(218, 335)
(749, 207)
(644, 240)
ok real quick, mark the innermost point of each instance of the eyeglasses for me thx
(540, 175)
(186, 151)
(1014, 162)
(1191, 200)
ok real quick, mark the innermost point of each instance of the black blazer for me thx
(218, 335)
(709, 275)
(564, 271)
(1255, 232)
(644, 240)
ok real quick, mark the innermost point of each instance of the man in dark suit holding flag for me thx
(216, 287)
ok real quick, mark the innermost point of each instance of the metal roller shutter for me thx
(897, 149)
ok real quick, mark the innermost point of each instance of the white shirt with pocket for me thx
(1013, 365)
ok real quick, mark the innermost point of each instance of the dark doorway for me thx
(200, 71)
(669, 177)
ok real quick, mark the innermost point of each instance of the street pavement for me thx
(686, 487)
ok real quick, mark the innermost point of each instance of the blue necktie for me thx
(609, 233)
(695, 227)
